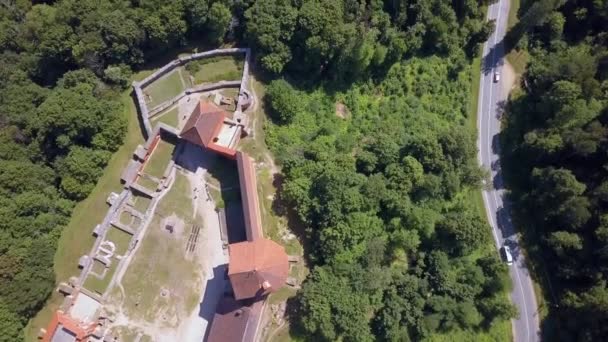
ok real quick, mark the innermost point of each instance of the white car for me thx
(496, 76)
(506, 254)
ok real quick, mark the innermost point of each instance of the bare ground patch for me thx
(341, 110)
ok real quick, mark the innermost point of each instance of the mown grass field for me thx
(147, 183)
(164, 252)
(178, 200)
(92, 283)
(141, 203)
(517, 58)
(223, 174)
(225, 68)
(165, 88)
(475, 197)
(120, 238)
(170, 117)
(158, 161)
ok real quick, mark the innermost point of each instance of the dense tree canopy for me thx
(399, 253)
(346, 40)
(555, 157)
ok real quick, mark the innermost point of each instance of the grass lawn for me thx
(517, 58)
(164, 88)
(125, 333)
(92, 283)
(282, 295)
(284, 335)
(146, 338)
(76, 238)
(120, 238)
(158, 161)
(224, 68)
(170, 118)
(125, 218)
(475, 196)
(141, 203)
(147, 183)
(165, 254)
(223, 174)
(230, 92)
(217, 197)
(98, 267)
(500, 331)
(178, 200)
(513, 10)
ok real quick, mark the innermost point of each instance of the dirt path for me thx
(274, 169)
(212, 256)
(508, 78)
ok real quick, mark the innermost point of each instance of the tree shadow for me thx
(505, 221)
(496, 143)
(281, 207)
(497, 181)
(501, 108)
(494, 58)
(257, 72)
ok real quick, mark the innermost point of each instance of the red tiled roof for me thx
(204, 124)
(66, 322)
(229, 322)
(249, 196)
(257, 268)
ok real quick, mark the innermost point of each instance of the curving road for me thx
(492, 97)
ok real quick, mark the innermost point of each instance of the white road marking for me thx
(485, 194)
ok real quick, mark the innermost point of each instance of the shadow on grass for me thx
(282, 207)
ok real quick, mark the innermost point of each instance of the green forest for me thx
(556, 161)
(378, 162)
(399, 251)
(369, 103)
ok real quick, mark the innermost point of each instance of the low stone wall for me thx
(143, 109)
(102, 230)
(198, 89)
(118, 204)
(138, 86)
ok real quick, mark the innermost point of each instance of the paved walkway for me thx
(213, 256)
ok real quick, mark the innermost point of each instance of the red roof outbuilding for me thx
(257, 268)
(203, 127)
(62, 324)
(249, 196)
(230, 321)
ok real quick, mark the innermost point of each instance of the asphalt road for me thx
(492, 97)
